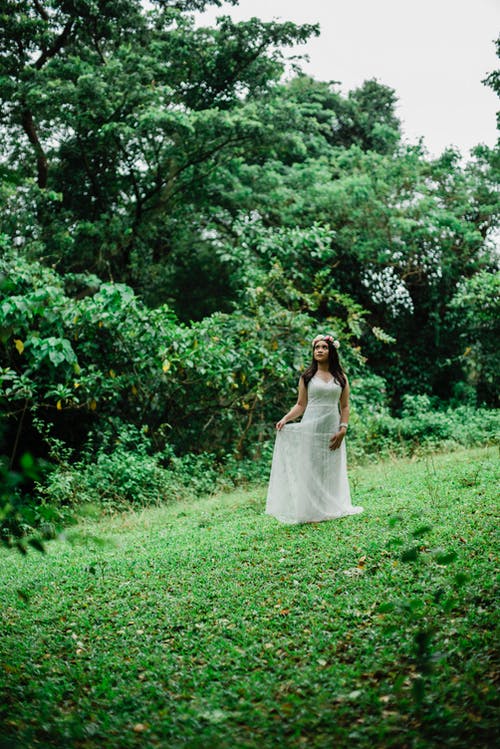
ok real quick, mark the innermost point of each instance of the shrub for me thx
(78, 363)
(422, 427)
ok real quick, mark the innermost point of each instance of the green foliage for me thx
(215, 384)
(61, 354)
(125, 473)
(395, 234)
(369, 396)
(209, 624)
(12, 519)
(424, 426)
(121, 114)
(26, 523)
(366, 117)
(116, 481)
(475, 315)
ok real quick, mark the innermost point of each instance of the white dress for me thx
(308, 481)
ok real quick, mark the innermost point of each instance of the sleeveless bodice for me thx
(323, 404)
(321, 393)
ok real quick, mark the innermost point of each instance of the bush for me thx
(78, 363)
(24, 520)
(121, 480)
(128, 476)
(474, 312)
(422, 426)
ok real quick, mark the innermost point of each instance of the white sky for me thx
(434, 53)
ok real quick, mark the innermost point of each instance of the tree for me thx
(122, 114)
(493, 80)
(404, 231)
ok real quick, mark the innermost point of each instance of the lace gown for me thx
(308, 481)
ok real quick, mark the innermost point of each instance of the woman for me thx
(309, 473)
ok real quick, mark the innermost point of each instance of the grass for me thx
(211, 625)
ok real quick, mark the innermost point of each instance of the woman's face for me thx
(321, 351)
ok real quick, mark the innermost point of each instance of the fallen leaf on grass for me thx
(351, 696)
(214, 716)
(286, 707)
(354, 694)
(354, 571)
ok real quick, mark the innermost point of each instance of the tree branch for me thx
(41, 159)
(56, 46)
(41, 11)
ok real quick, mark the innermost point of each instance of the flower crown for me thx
(330, 338)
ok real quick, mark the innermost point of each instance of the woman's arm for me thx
(337, 438)
(299, 407)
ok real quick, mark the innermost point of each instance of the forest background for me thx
(179, 219)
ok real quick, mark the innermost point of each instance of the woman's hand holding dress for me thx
(336, 440)
(297, 410)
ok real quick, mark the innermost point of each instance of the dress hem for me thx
(294, 521)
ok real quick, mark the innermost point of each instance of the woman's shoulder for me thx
(306, 375)
(346, 387)
(340, 379)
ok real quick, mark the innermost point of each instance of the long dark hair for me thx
(334, 365)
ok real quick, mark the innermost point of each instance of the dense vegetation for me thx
(207, 624)
(178, 220)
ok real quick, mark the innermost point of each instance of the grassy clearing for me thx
(211, 625)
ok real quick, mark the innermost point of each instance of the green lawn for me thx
(211, 625)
